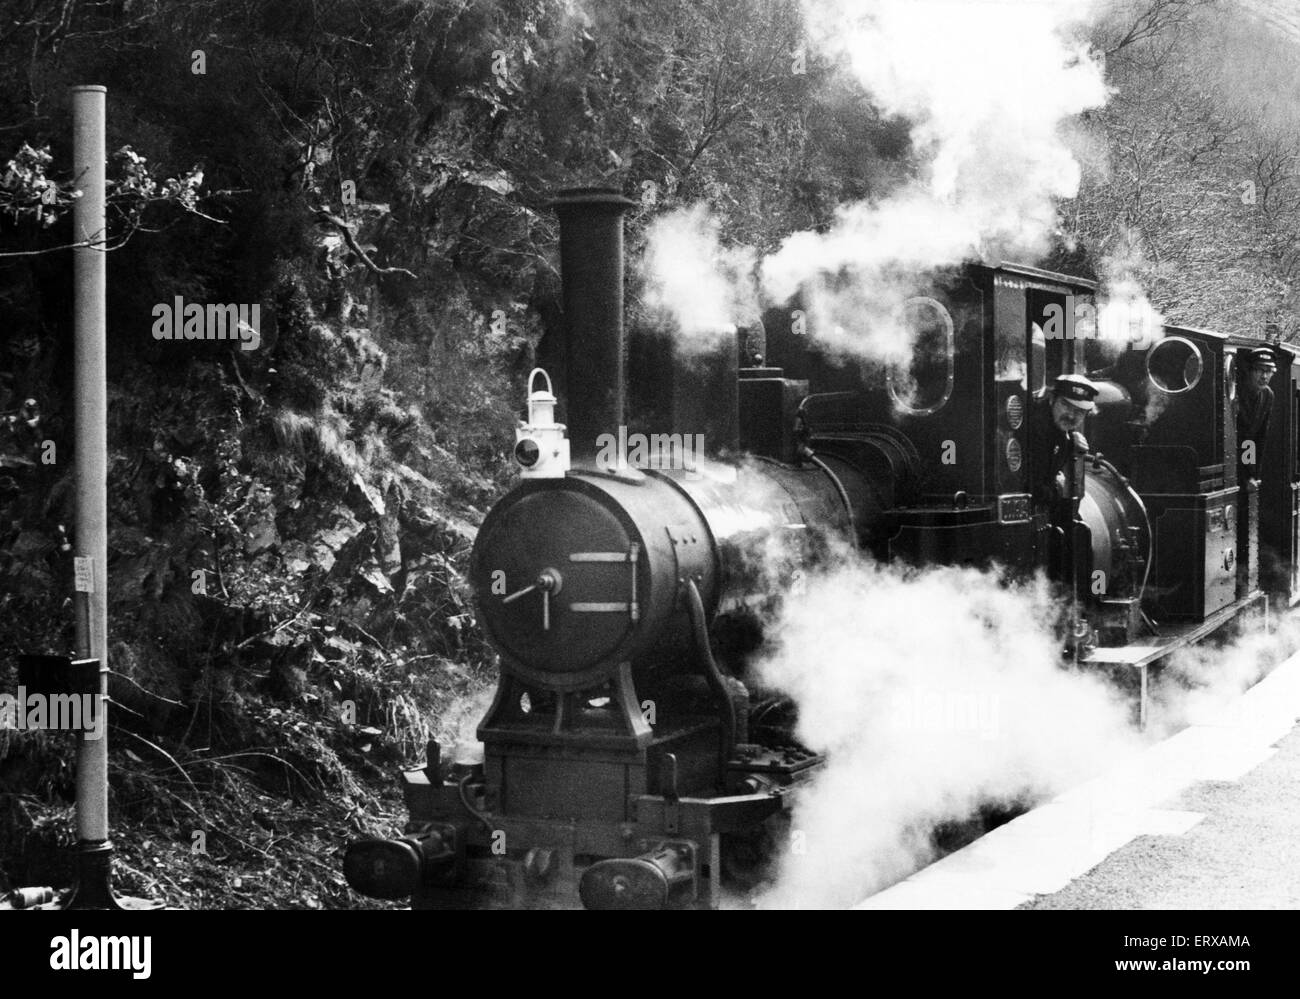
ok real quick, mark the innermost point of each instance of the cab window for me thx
(924, 384)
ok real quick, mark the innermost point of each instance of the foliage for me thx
(29, 194)
(1194, 189)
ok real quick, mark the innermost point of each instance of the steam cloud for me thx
(936, 692)
(1125, 317)
(699, 285)
(989, 88)
(457, 725)
(931, 693)
(1199, 681)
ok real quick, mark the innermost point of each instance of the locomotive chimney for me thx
(591, 271)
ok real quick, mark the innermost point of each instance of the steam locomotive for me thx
(627, 759)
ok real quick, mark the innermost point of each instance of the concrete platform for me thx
(1198, 794)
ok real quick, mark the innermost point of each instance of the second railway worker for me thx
(1254, 404)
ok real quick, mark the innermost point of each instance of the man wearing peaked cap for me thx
(1055, 441)
(1056, 434)
(1254, 405)
(1261, 362)
(1264, 356)
(1076, 390)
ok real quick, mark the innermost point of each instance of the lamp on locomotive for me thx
(541, 449)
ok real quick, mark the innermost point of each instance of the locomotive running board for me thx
(1139, 657)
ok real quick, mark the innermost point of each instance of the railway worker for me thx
(1254, 405)
(1056, 441)
(1056, 437)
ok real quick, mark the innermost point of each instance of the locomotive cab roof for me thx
(1048, 280)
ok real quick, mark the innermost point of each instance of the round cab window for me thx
(923, 385)
(1175, 365)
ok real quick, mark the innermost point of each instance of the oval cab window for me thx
(923, 385)
(1175, 365)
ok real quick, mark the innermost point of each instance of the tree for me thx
(1198, 171)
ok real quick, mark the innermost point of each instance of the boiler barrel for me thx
(573, 576)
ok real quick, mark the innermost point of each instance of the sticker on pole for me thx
(83, 571)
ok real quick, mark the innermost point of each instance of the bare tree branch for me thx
(350, 238)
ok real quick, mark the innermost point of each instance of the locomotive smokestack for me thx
(591, 269)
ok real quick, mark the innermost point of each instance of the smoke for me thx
(457, 727)
(1157, 403)
(988, 88)
(699, 286)
(1125, 316)
(857, 277)
(931, 693)
(934, 693)
(993, 91)
(1200, 681)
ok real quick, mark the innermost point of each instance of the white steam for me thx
(988, 87)
(1200, 681)
(1125, 317)
(457, 725)
(1157, 403)
(931, 694)
(699, 286)
(935, 692)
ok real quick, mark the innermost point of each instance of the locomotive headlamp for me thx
(527, 453)
(541, 449)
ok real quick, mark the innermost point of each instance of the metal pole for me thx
(94, 888)
(91, 548)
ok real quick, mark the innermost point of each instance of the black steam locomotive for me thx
(626, 763)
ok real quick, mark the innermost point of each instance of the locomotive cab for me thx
(945, 444)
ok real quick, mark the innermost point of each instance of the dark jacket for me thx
(1252, 425)
(1049, 452)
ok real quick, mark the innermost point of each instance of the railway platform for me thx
(1208, 819)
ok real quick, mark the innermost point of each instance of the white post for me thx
(91, 548)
